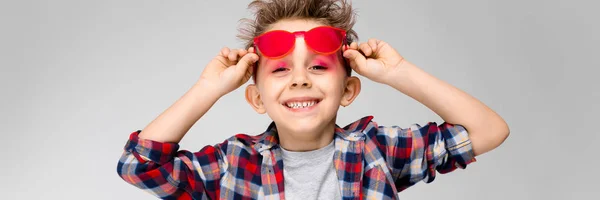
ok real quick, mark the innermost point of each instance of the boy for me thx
(300, 55)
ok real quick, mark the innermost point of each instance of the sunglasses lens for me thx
(275, 43)
(324, 39)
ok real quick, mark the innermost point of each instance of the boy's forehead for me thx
(293, 25)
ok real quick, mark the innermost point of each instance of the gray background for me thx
(78, 76)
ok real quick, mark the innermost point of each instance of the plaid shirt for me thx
(372, 162)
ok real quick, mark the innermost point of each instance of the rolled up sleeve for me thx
(415, 154)
(459, 151)
(149, 150)
(161, 170)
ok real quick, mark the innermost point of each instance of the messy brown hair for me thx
(336, 13)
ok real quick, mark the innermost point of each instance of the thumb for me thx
(356, 60)
(246, 61)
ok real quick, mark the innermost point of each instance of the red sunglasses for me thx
(278, 43)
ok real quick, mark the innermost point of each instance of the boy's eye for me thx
(280, 69)
(318, 67)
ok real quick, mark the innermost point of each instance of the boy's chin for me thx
(304, 129)
(305, 126)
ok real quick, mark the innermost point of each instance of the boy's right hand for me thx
(229, 70)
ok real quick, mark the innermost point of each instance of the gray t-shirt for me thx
(310, 175)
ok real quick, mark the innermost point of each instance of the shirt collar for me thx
(351, 132)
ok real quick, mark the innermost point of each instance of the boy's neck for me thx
(306, 141)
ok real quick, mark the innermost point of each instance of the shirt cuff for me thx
(148, 150)
(459, 147)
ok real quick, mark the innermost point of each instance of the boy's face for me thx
(302, 91)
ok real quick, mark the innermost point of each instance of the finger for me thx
(233, 55)
(251, 50)
(224, 51)
(246, 61)
(366, 49)
(356, 60)
(242, 52)
(249, 72)
(373, 44)
(350, 46)
(354, 45)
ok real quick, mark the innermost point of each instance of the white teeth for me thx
(301, 104)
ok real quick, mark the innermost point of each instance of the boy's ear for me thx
(253, 98)
(351, 91)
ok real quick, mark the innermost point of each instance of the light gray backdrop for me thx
(78, 76)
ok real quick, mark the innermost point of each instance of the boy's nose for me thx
(299, 55)
(300, 77)
(305, 84)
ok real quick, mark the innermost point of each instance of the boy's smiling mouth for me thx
(301, 104)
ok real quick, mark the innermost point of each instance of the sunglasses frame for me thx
(298, 34)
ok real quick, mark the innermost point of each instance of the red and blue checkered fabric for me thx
(372, 162)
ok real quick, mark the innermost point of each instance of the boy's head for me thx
(296, 84)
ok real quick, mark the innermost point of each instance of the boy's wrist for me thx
(207, 89)
(400, 76)
(204, 93)
(412, 81)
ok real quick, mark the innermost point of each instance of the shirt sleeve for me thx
(415, 154)
(163, 171)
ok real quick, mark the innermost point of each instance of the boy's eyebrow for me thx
(326, 59)
(274, 64)
(321, 62)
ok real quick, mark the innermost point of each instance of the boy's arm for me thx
(174, 123)
(225, 73)
(487, 130)
(151, 160)
(381, 63)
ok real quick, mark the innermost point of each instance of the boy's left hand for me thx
(374, 59)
